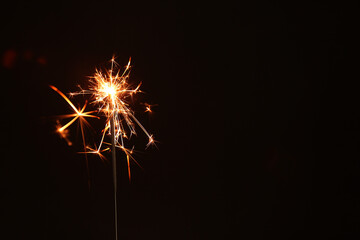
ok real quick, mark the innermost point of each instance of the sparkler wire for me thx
(113, 153)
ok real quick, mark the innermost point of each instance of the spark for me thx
(63, 133)
(78, 114)
(148, 107)
(96, 151)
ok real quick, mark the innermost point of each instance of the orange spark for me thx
(63, 133)
(78, 114)
(148, 107)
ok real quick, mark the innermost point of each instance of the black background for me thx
(257, 120)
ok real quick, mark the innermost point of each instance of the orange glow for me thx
(8, 59)
(41, 60)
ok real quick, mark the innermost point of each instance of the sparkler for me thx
(110, 92)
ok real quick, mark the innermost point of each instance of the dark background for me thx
(257, 120)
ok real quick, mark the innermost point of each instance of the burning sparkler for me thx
(110, 91)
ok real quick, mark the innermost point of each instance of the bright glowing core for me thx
(109, 89)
